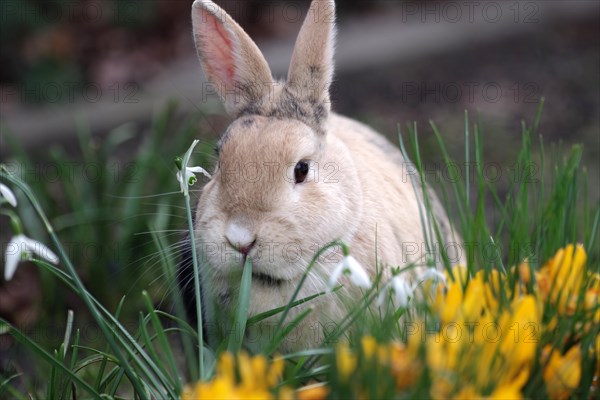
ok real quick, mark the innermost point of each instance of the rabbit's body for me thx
(292, 177)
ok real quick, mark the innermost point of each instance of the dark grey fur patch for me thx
(315, 70)
(245, 122)
(267, 280)
(224, 297)
(320, 113)
(289, 105)
(251, 110)
(248, 122)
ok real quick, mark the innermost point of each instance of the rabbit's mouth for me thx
(266, 279)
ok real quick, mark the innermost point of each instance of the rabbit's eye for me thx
(300, 171)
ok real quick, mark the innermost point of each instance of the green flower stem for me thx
(135, 381)
(15, 222)
(196, 287)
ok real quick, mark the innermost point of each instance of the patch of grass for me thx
(513, 279)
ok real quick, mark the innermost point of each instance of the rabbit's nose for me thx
(240, 238)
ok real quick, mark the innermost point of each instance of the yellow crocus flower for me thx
(506, 392)
(345, 361)
(472, 304)
(275, 371)
(405, 364)
(369, 346)
(314, 392)
(592, 298)
(257, 378)
(562, 373)
(449, 306)
(565, 272)
(521, 332)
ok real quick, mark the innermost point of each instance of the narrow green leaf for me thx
(239, 324)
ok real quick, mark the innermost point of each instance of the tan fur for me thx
(358, 189)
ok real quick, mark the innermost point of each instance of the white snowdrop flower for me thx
(188, 178)
(352, 268)
(8, 195)
(186, 175)
(401, 291)
(22, 245)
(432, 275)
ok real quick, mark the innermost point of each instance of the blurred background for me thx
(97, 98)
(115, 61)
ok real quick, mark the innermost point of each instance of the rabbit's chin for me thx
(274, 272)
(268, 291)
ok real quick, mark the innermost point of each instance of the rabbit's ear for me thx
(311, 68)
(230, 59)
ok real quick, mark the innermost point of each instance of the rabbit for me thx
(291, 177)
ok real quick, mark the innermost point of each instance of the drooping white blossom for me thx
(186, 176)
(21, 245)
(351, 268)
(400, 290)
(8, 195)
(432, 276)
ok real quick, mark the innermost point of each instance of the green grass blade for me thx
(281, 334)
(145, 363)
(50, 359)
(168, 270)
(311, 265)
(592, 242)
(85, 296)
(241, 316)
(163, 342)
(100, 373)
(259, 317)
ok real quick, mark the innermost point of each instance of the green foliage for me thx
(536, 215)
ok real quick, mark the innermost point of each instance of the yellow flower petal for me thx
(506, 392)
(404, 364)
(468, 392)
(275, 371)
(598, 349)
(563, 373)
(452, 303)
(524, 270)
(315, 392)
(245, 368)
(226, 367)
(472, 305)
(286, 393)
(369, 346)
(259, 372)
(521, 332)
(345, 361)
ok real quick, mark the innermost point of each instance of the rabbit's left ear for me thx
(311, 68)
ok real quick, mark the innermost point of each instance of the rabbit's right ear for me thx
(229, 58)
(311, 67)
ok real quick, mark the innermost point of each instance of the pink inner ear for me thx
(218, 50)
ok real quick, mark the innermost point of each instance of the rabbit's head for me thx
(283, 187)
